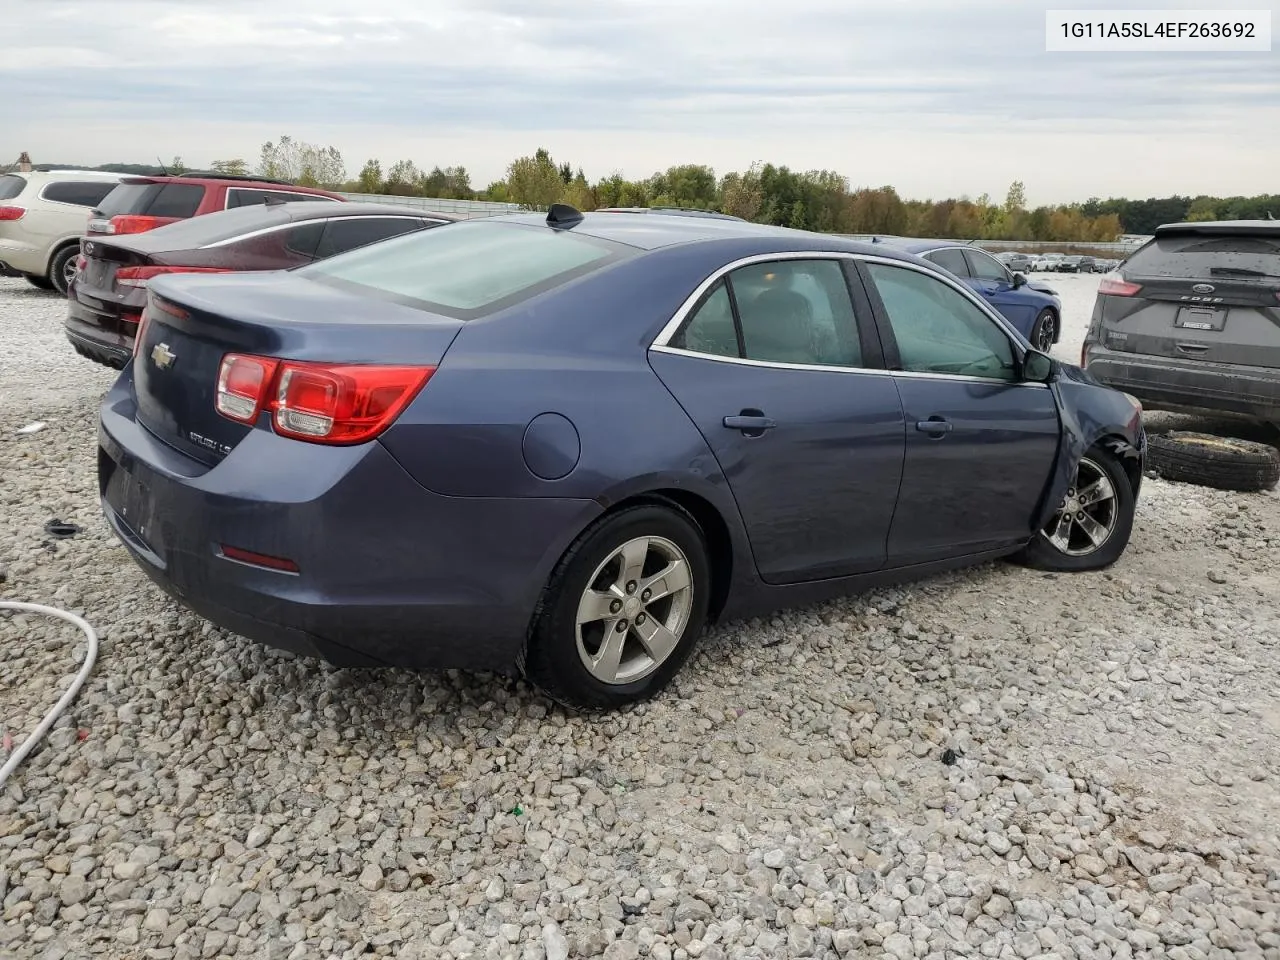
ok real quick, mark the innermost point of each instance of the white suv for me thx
(43, 215)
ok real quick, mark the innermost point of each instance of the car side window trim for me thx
(974, 257)
(864, 321)
(660, 343)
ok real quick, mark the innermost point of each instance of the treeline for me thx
(820, 200)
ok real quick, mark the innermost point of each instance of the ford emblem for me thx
(1202, 288)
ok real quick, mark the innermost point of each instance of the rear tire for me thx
(622, 610)
(61, 268)
(1092, 525)
(41, 283)
(1223, 463)
(1044, 334)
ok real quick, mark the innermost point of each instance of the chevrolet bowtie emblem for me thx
(162, 357)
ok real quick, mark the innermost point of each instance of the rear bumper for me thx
(97, 335)
(389, 573)
(24, 257)
(1189, 385)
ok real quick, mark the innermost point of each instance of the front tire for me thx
(1044, 333)
(622, 611)
(1091, 527)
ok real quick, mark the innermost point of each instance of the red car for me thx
(139, 204)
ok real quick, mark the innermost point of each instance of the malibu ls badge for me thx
(162, 356)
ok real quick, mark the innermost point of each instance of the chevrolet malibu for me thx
(562, 445)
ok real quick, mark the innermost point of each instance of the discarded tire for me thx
(1221, 462)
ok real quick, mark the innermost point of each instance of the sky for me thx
(937, 98)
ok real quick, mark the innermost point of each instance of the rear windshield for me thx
(469, 268)
(1196, 257)
(11, 186)
(153, 200)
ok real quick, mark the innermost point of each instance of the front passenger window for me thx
(938, 330)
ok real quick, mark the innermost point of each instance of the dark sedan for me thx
(563, 444)
(109, 288)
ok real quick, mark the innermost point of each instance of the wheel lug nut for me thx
(640, 618)
(646, 595)
(631, 587)
(622, 626)
(615, 606)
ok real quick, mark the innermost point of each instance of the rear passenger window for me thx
(179, 200)
(796, 311)
(345, 234)
(242, 197)
(304, 238)
(77, 193)
(952, 260)
(711, 329)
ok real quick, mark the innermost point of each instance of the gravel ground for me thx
(994, 763)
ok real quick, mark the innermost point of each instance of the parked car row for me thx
(561, 444)
(44, 214)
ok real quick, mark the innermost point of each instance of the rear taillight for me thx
(81, 262)
(12, 213)
(322, 403)
(134, 224)
(1116, 286)
(138, 276)
(142, 329)
(253, 558)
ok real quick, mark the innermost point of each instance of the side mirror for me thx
(1038, 367)
(1019, 280)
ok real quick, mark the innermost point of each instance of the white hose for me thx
(90, 656)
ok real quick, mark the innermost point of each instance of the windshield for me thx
(465, 269)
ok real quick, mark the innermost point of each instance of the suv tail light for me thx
(12, 213)
(138, 276)
(318, 402)
(1117, 286)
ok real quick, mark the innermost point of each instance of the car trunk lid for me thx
(194, 321)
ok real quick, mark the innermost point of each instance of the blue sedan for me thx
(1033, 307)
(561, 445)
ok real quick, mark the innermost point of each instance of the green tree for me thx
(302, 163)
(402, 179)
(1015, 200)
(370, 179)
(176, 167)
(235, 168)
(535, 182)
(740, 193)
(1202, 209)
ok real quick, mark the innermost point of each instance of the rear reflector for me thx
(322, 403)
(12, 213)
(138, 276)
(1115, 285)
(259, 559)
(141, 331)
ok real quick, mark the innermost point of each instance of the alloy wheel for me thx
(635, 610)
(1087, 516)
(1045, 334)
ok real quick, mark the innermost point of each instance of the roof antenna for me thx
(561, 216)
(163, 169)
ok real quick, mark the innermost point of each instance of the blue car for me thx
(561, 445)
(1031, 306)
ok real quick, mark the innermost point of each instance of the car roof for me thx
(672, 211)
(231, 180)
(104, 174)
(918, 245)
(1258, 228)
(651, 231)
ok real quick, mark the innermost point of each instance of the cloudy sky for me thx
(936, 97)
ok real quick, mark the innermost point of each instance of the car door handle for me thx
(936, 427)
(751, 422)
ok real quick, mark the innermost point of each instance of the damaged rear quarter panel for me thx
(1091, 411)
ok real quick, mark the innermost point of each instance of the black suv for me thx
(1191, 322)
